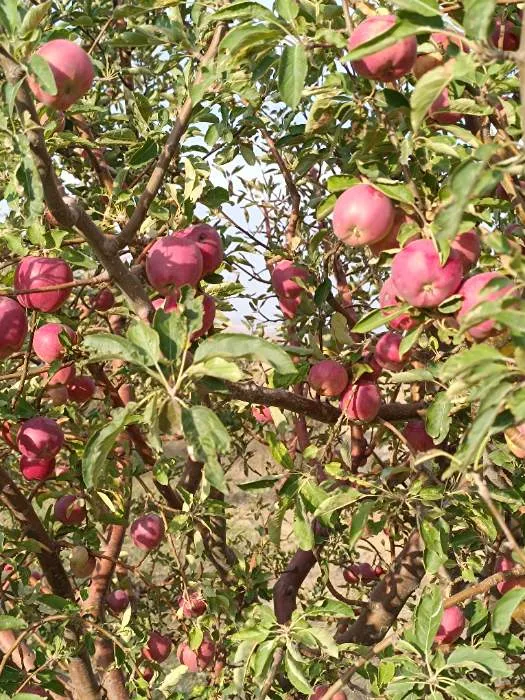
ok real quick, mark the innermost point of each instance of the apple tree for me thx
(262, 349)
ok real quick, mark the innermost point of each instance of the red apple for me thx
(289, 306)
(158, 648)
(63, 376)
(73, 72)
(387, 353)
(388, 296)
(473, 292)
(173, 262)
(505, 35)
(364, 572)
(468, 246)
(36, 468)
(321, 690)
(46, 341)
(81, 389)
(147, 531)
(104, 300)
(361, 401)
(209, 243)
(126, 393)
(13, 327)
(362, 215)
(284, 275)
(417, 437)
(146, 672)
(388, 64)
(40, 438)
(196, 660)
(452, 625)
(69, 511)
(507, 564)
(390, 240)
(439, 110)
(425, 63)
(328, 377)
(192, 605)
(37, 273)
(419, 277)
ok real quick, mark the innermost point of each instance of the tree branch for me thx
(170, 147)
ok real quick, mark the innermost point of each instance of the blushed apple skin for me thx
(36, 469)
(147, 532)
(473, 294)
(361, 401)
(192, 605)
(209, 243)
(390, 240)
(289, 307)
(40, 437)
(283, 279)
(46, 341)
(439, 110)
(328, 377)
(262, 414)
(81, 389)
(173, 262)
(69, 511)
(417, 437)
(13, 327)
(117, 600)
(451, 626)
(196, 660)
(505, 35)
(73, 72)
(387, 354)
(36, 273)
(507, 564)
(158, 647)
(104, 300)
(320, 691)
(362, 215)
(419, 277)
(388, 296)
(388, 64)
(468, 246)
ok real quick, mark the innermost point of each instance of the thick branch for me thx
(322, 412)
(170, 148)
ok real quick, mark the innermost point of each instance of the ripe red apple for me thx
(284, 275)
(390, 240)
(63, 376)
(104, 300)
(362, 572)
(40, 438)
(36, 468)
(328, 377)
(439, 110)
(473, 292)
(36, 690)
(73, 72)
(417, 437)
(387, 353)
(451, 627)
(262, 414)
(69, 511)
(46, 341)
(468, 246)
(362, 215)
(192, 605)
(126, 393)
(507, 564)
(289, 306)
(321, 690)
(209, 243)
(173, 262)
(82, 563)
(388, 64)
(370, 360)
(515, 439)
(420, 278)
(196, 660)
(36, 273)
(146, 672)
(81, 389)
(158, 648)
(388, 296)
(13, 327)
(361, 401)
(147, 531)
(505, 35)
(426, 62)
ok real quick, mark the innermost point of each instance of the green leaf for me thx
(237, 345)
(35, 17)
(473, 690)
(428, 8)
(322, 292)
(428, 618)
(173, 333)
(378, 317)
(435, 537)
(293, 68)
(338, 183)
(264, 482)
(438, 418)
(106, 346)
(101, 442)
(478, 17)
(295, 674)
(428, 88)
(359, 522)
(487, 660)
(301, 526)
(242, 10)
(9, 16)
(410, 339)
(504, 608)
(337, 502)
(216, 367)
(144, 337)
(207, 438)
(395, 190)
(287, 9)
(8, 622)
(39, 67)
